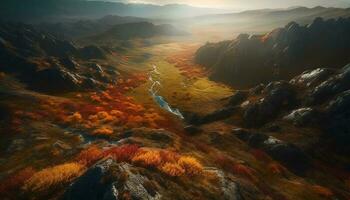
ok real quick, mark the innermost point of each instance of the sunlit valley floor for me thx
(117, 142)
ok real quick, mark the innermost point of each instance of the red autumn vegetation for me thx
(168, 162)
(184, 62)
(89, 156)
(277, 168)
(224, 162)
(244, 170)
(16, 180)
(260, 155)
(99, 111)
(147, 158)
(123, 153)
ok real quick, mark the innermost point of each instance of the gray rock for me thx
(107, 180)
(312, 77)
(332, 86)
(279, 96)
(229, 187)
(303, 116)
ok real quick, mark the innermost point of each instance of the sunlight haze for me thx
(248, 4)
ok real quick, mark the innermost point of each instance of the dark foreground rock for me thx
(288, 154)
(109, 180)
(279, 96)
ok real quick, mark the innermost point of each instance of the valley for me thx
(174, 102)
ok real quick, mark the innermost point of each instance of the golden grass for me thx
(53, 176)
(148, 158)
(172, 169)
(191, 165)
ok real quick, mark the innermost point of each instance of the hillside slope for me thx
(280, 54)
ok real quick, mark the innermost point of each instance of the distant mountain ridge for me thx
(280, 54)
(34, 11)
(138, 30)
(85, 28)
(266, 19)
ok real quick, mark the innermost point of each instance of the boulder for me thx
(69, 63)
(109, 180)
(327, 89)
(237, 98)
(90, 83)
(303, 116)
(96, 67)
(279, 96)
(290, 156)
(55, 80)
(313, 77)
(231, 189)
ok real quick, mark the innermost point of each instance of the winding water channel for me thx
(155, 78)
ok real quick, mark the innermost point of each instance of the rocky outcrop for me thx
(46, 63)
(288, 154)
(338, 118)
(109, 180)
(280, 54)
(279, 96)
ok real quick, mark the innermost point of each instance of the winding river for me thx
(155, 78)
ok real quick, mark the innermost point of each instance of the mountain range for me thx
(71, 10)
(279, 54)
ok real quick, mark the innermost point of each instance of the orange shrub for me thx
(106, 131)
(117, 113)
(148, 158)
(89, 156)
(172, 169)
(104, 116)
(322, 191)
(191, 165)
(123, 153)
(75, 118)
(16, 180)
(169, 156)
(53, 176)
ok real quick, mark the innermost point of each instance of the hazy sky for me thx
(250, 4)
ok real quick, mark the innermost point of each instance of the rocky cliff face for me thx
(280, 54)
(46, 63)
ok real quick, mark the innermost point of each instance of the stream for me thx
(155, 78)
